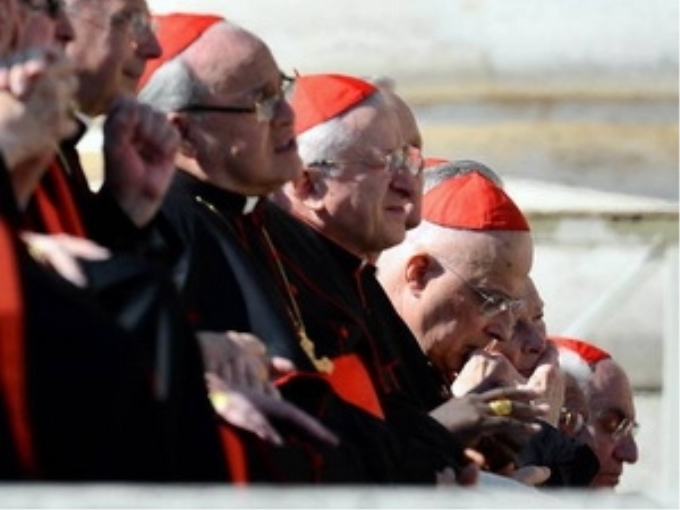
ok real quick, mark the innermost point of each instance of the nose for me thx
(283, 112)
(502, 325)
(533, 342)
(405, 182)
(148, 46)
(627, 449)
(64, 29)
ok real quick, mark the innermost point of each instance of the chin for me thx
(288, 164)
(386, 242)
(605, 482)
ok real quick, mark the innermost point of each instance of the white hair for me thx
(573, 364)
(172, 86)
(451, 169)
(330, 138)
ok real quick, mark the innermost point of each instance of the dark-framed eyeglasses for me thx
(52, 8)
(615, 424)
(264, 109)
(492, 302)
(409, 159)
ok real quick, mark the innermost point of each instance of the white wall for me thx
(487, 38)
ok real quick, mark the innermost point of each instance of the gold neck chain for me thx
(323, 364)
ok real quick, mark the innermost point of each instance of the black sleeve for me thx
(572, 463)
(110, 226)
(144, 302)
(9, 208)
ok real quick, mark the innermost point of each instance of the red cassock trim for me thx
(55, 204)
(350, 380)
(235, 454)
(12, 362)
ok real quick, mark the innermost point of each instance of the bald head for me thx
(242, 54)
(221, 59)
(603, 397)
(434, 278)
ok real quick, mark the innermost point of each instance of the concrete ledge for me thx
(212, 496)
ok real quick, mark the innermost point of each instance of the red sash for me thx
(55, 206)
(12, 362)
(351, 381)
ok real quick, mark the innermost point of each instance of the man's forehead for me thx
(230, 59)
(610, 387)
(373, 125)
(490, 246)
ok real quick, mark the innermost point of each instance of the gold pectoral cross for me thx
(322, 364)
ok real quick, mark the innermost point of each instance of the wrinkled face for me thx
(365, 204)
(244, 152)
(611, 408)
(412, 138)
(46, 24)
(528, 340)
(450, 318)
(113, 41)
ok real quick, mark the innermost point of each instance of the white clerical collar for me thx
(250, 204)
(85, 119)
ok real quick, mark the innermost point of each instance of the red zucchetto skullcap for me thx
(578, 357)
(473, 202)
(175, 32)
(320, 97)
(586, 351)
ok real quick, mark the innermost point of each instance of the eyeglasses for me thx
(137, 23)
(264, 109)
(410, 159)
(615, 424)
(571, 422)
(52, 8)
(493, 302)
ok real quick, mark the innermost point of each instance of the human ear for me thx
(418, 272)
(187, 144)
(310, 188)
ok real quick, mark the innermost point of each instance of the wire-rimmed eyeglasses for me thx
(611, 422)
(139, 24)
(409, 159)
(571, 422)
(264, 109)
(493, 302)
(615, 424)
(136, 23)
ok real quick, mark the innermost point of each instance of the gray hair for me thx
(450, 169)
(382, 82)
(173, 86)
(328, 139)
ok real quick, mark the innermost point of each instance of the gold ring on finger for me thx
(501, 407)
(219, 400)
